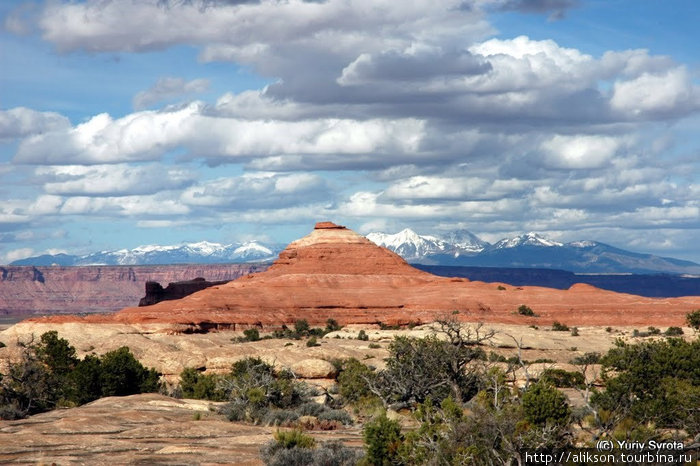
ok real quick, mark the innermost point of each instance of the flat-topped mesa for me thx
(335, 249)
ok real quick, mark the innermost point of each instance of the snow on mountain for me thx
(582, 244)
(528, 239)
(457, 248)
(252, 250)
(203, 252)
(465, 240)
(408, 244)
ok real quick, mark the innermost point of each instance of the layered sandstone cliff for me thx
(335, 273)
(88, 289)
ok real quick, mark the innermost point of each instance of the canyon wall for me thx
(26, 290)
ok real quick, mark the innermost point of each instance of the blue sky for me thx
(125, 123)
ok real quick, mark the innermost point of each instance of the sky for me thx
(134, 122)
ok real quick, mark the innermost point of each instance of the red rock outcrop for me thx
(335, 273)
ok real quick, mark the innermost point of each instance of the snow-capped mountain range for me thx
(530, 250)
(202, 252)
(456, 248)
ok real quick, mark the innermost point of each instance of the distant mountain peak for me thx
(527, 239)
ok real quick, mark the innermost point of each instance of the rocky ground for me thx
(140, 429)
(216, 351)
(153, 429)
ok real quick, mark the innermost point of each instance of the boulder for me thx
(314, 369)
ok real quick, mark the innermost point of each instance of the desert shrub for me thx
(524, 310)
(655, 381)
(654, 331)
(495, 357)
(383, 440)
(254, 388)
(374, 346)
(194, 384)
(574, 331)
(673, 332)
(332, 325)
(335, 454)
(586, 359)
(27, 388)
(294, 438)
(362, 335)
(86, 380)
(693, 319)
(562, 379)
(337, 415)
(275, 453)
(501, 288)
(310, 408)
(559, 327)
(301, 327)
(123, 374)
(543, 404)
(353, 380)
(56, 353)
(251, 334)
(280, 417)
(49, 375)
(608, 329)
(427, 367)
(311, 342)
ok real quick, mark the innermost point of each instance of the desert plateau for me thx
(373, 299)
(349, 232)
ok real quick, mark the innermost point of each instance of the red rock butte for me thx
(336, 273)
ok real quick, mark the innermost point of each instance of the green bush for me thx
(254, 388)
(693, 319)
(362, 335)
(524, 310)
(280, 417)
(194, 384)
(383, 440)
(86, 380)
(673, 332)
(562, 379)
(337, 415)
(353, 380)
(545, 405)
(418, 368)
(274, 453)
(654, 381)
(559, 327)
(311, 342)
(251, 334)
(310, 408)
(49, 375)
(294, 438)
(332, 326)
(123, 374)
(301, 327)
(56, 353)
